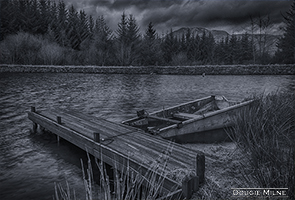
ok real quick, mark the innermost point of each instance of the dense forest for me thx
(46, 32)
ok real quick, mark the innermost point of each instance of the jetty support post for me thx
(58, 119)
(200, 167)
(96, 137)
(189, 186)
(35, 125)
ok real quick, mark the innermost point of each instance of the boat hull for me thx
(210, 136)
(207, 129)
(204, 120)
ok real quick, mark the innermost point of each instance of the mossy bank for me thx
(177, 70)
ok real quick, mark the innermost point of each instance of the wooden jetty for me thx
(123, 146)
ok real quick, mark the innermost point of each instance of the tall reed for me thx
(127, 183)
(265, 132)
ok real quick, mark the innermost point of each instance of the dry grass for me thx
(224, 162)
(262, 155)
(127, 183)
(265, 132)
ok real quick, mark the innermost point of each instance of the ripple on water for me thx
(31, 164)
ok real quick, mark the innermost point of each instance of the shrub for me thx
(51, 54)
(180, 59)
(265, 132)
(21, 48)
(28, 49)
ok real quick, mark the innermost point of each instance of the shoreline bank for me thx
(284, 69)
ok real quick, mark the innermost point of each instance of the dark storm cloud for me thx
(166, 14)
(140, 4)
(212, 14)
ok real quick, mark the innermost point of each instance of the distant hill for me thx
(217, 34)
(271, 40)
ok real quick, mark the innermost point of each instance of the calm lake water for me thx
(31, 164)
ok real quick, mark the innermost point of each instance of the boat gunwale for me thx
(169, 108)
(182, 104)
(207, 115)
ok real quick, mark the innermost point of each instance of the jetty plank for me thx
(120, 145)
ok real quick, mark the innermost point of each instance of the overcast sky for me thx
(229, 15)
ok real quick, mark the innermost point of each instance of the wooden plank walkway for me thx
(119, 144)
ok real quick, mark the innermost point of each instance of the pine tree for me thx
(91, 26)
(128, 42)
(226, 51)
(121, 48)
(197, 47)
(34, 19)
(83, 26)
(168, 47)
(7, 18)
(150, 47)
(183, 44)
(210, 49)
(286, 45)
(233, 50)
(191, 46)
(45, 16)
(52, 25)
(219, 59)
(150, 33)
(180, 52)
(245, 49)
(61, 24)
(202, 55)
(207, 45)
(188, 44)
(133, 41)
(72, 29)
(102, 42)
(53, 13)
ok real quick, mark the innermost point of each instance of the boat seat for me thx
(186, 116)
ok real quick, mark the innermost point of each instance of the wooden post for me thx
(33, 109)
(58, 139)
(187, 187)
(35, 125)
(58, 119)
(42, 129)
(200, 167)
(180, 125)
(196, 183)
(96, 137)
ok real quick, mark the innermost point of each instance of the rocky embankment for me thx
(178, 70)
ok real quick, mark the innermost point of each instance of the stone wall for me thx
(178, 70)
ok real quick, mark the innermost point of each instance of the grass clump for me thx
(121, 182)
(265, 132)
